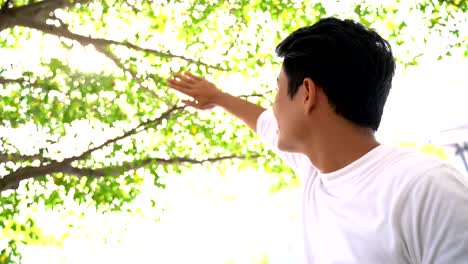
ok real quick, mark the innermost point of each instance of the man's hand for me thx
(203, 92)
(206, 95)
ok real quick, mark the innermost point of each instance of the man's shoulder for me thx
(430, 211)
(402, 167)
(413, 171)
(405, 160)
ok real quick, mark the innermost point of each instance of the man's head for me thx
(352, 66)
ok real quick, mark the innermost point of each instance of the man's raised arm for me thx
(206, 95)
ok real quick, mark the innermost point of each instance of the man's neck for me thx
(334, 150)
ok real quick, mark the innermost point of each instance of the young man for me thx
(362, 202)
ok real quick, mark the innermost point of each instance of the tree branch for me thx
(131, 132)
(19, 19)
(262, 95)
(119, 64)
(11, 180)
(40, 11)
(37, 12)
(4, 81)
(5, 5)
(133, 165)
(35, 15)
(134, 9)
(8, 182)
(15, 157)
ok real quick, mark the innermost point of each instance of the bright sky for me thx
(426, 100)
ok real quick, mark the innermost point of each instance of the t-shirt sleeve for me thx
(435, 218)
(267, 129)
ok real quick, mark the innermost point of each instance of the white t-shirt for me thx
(390, 206)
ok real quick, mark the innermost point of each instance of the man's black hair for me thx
(352, 64)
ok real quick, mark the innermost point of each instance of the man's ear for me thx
(309, 94)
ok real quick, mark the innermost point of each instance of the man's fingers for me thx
(207, 107)
(192, 104)
(189, 84)
(183, 78)
(196, 105)
(194, 76)
(180, 83)
(179, 87)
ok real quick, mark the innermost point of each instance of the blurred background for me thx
(100, 163)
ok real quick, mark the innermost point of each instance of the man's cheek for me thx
(275, 109)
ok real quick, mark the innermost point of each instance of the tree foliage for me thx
(91, 129)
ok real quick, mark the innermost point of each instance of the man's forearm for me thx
(246, 111)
